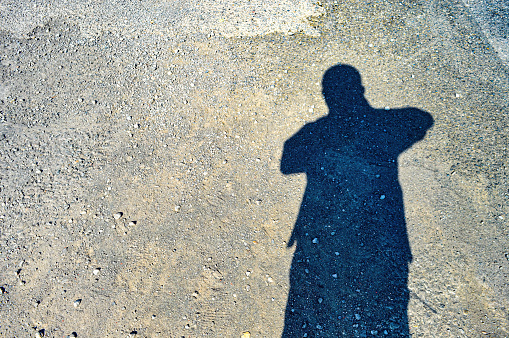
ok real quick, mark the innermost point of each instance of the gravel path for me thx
(140, 182)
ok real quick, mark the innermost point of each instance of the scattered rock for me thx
(77, 302)
(118, 215)
(393, 326)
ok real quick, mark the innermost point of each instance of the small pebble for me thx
(320, 300)
(335, 275)
(357, 316)
(117, 215)
(315, 241)
(246, 335)
(177, 208)
(96, 271)
(40, 333)
(72, 335)
(132, 223)
(77, 302)
(382, 197)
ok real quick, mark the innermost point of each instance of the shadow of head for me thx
(342, 86)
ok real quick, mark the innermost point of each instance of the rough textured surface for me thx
(228, 18)
(132, 108)
(492, 16)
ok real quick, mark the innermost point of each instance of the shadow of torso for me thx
(350, 267)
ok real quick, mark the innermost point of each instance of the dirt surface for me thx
(141, 189)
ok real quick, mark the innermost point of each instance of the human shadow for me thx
(350, 267)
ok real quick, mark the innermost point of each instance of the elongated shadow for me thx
(350, 268)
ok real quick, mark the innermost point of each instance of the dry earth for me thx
(179, 126)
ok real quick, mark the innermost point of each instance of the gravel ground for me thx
(140, 182)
